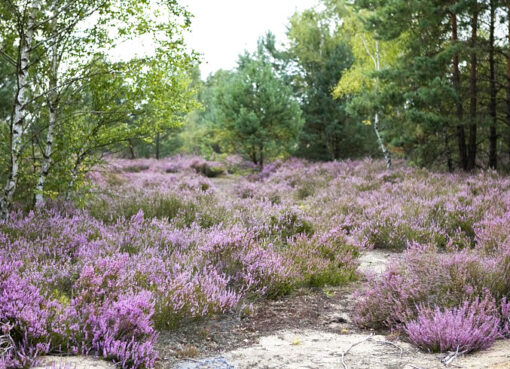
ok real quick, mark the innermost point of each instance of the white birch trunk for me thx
(20, 112)
(384, 150)
(52, 104)
(70, 187)
(377, 64)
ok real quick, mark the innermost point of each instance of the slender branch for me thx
(7, 57)
(344, 353)
(368, 51)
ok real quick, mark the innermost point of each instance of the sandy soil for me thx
(317, 349)
(375, 261)
(73, 362)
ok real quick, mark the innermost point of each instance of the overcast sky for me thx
(222, 29)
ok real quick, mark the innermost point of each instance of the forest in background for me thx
(428, 82)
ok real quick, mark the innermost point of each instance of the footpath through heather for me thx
(313, 330)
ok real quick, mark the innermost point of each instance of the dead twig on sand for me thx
(451, 356)
(369, 338)
(391, 344)
(350, 347)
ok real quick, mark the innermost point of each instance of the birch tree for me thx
(371, 55)
(53, 46)
(25, 26)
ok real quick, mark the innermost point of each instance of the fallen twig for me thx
(448, 359)
(391, 344)
(351, 346)
(369, 338)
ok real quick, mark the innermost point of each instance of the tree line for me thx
(427, 81)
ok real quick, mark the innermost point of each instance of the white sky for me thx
(222, 29)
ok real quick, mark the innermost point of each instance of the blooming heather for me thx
(472, 326)
(152, 244)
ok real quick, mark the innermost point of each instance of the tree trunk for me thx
(472, 146)
(74, 177)
(261, 156)
(493, 135)
(461, 135)
(157, 145)
(131, 150)
(19, 113)
(384, 150)
(449, 161)
(508, 82)
(52, 104)
(254, 156)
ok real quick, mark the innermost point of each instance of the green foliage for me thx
(258, 112)
(322, 54)
(335, 255)
(99, 105)
(249, 111)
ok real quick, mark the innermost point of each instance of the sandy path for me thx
(314, 349)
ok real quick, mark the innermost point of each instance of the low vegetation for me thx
(153, 248)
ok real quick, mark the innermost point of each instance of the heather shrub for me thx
(118, 329)
(492, 233)
(441, 300)
(321, 260)
(106, 319)
(158, 243)
(251, 268)
(173, 207)
(288, 223)
(426, 277)
(207, 169)
(24, 319)
(235, 164)
(305, 190)
(136, 168)
(161, 207)
(469, 327)
(505, 317)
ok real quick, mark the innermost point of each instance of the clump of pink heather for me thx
(505, 318)
(470, 327)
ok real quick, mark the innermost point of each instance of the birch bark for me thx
(20, 111)
(377, 64)
(52, 104)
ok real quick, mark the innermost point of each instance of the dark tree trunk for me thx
(449, 161)
(132, 150)
(508, 82)
(461, 135)
(254, 156)
(157, 146)
(261, 155)
(493, 135)
(473, 79)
